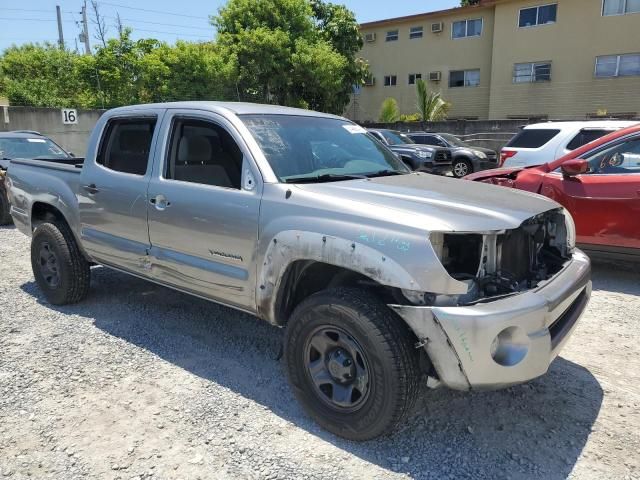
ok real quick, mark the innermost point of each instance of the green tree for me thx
(43, 76)
(466, 3)
(292, 52)
(390, 112)
(431, 106)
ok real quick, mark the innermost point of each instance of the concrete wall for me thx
(48, 121)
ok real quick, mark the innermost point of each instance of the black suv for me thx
(466, 158)
(417, 157)
(24, 144)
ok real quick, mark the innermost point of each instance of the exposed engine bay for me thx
(502, 263)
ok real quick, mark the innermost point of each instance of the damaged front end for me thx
(527, 288)
(503, 263)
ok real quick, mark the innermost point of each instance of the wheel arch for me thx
(298, 264)
(44, 212)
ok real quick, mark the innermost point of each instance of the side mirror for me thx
(574, 167)
(71, 154)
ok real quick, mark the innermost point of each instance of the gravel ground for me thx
(141, 382)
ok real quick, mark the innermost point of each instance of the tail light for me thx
(505, 155)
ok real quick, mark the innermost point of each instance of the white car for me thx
(544, 142)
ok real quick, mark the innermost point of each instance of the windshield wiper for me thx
(326, 177)
(386, 173)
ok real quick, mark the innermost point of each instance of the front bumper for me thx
(538, 322)
(480, 165)
(436, 169)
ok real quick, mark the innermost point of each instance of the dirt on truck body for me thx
(383, 278)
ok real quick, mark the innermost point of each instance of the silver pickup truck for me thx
(383, 278)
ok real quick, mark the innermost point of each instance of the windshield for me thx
(395, 138)
(302, 148)
(36, 147)
(453, 140)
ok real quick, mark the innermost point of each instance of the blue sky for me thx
(35, 20)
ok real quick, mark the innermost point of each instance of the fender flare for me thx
(294, 245)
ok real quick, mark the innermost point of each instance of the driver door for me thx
(605, 202)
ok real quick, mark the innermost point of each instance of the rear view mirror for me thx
(574, 167)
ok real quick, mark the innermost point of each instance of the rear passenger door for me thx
(204, 201)
(112, 193)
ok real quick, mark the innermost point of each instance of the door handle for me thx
(91, 188)
(160, 202)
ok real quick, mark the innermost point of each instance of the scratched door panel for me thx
(203, 214)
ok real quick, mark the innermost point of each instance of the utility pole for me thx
(85, 30)
(60, 35)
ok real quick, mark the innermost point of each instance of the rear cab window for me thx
(126, 145)
(532, 138)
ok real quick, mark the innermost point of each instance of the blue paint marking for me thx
(384, 240)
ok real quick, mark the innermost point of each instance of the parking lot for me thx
(140, 381)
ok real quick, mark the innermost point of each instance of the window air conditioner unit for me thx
(437, 27)
(370, 37)
(435, 76)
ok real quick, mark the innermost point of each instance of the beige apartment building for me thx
(561, 59)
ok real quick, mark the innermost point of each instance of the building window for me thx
(390, 80)
(532, 72)
(620, 7)
(415, 32)
(467, 28)
(618, 65)
(392, 36)
(464, 78)
(542, 15)
(414, 77)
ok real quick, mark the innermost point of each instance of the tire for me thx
(383, 375)
(60, 269)
(5, 216)
(462, 167)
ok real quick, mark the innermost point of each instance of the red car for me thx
(598, 183)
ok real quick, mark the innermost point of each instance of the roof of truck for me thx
(238, 108)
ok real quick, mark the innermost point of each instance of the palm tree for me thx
(431, 105)
(390, 112)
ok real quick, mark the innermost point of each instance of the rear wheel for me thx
(60, 269)
(462, 167)
(352, 363)
(5, 216)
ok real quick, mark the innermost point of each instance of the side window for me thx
(585, 136)
(436, 141)
(203, 152)
(532, 138)
(126, 145)
(619, 159)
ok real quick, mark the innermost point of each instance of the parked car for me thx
(599, 184)
(384, 278)
(466, 158)
(422, 158)
(544, 142)
(23, 144)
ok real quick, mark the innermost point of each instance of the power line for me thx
(151, 11)
(170, 33)
(160, 23)
(24, 10)
(32, 19)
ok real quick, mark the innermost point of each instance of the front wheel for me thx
(60, 269)
(461, 168)
(352, 363)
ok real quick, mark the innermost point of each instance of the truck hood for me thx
(432, 203)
